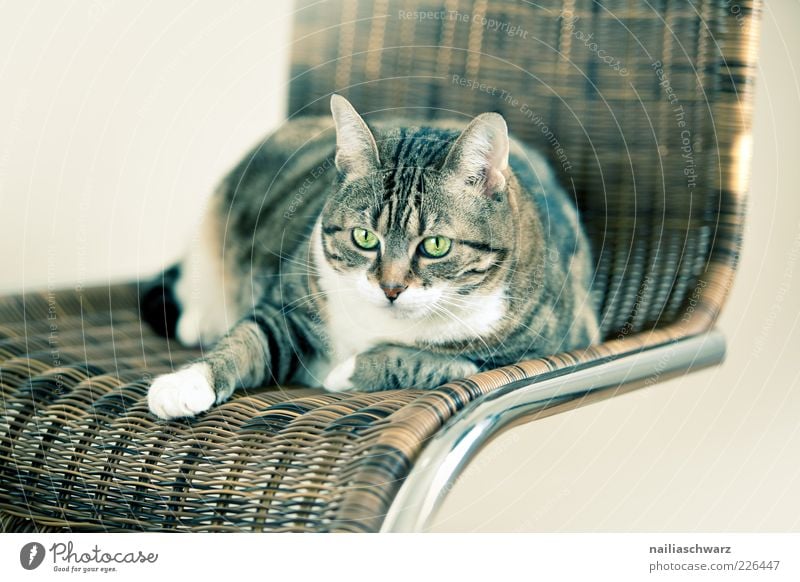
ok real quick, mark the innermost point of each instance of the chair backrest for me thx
(644, 109)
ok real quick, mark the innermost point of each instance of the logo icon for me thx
(31, 555)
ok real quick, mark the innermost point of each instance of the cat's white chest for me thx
(354, 325)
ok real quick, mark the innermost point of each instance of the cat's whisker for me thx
(292, 259)
(306, 263)
(467, 305)
(533, 331)
(453, 316)
(305, 299)
(458, 298)
(307, 269)
(280, 275)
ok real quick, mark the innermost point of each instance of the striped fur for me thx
(297, 300)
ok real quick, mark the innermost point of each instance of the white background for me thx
(398, 557)
(117, 118)
(116, 121)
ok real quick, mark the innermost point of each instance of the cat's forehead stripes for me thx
(415, 157)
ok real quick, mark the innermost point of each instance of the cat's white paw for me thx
(340, 378)
(186, 392)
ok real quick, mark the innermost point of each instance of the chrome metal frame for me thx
(456, 444)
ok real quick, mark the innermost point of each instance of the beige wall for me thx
(117, 118)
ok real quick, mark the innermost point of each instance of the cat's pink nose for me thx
(392, 292)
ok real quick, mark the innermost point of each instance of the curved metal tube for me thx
(448, 453)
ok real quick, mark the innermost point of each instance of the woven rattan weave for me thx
(647, 121)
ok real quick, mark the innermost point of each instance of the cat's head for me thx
(419, 222)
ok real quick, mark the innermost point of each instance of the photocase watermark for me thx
(570, 20)
(735, 9)
(661, 366)
(781, 293)
(542, 269)
(687, 150)
(641, 298)
(558, 150)
(508, 98)
(64, 557)
(663, 363)
(300, 195)
(52, 321)
(510, 29)
(491, 24)
(31, 555)
(694, 300)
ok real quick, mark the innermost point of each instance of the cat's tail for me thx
(158, 305)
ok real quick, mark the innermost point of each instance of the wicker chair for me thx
(648, 122)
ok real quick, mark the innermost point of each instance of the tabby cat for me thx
(373, 258)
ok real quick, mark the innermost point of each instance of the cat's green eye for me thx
(365, 239)
(435, 247)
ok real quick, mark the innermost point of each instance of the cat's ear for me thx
(356, 150)
(480, 154)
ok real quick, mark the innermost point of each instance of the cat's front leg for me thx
(390, 367)
(265, 346)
